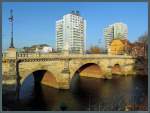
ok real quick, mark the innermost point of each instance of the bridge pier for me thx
(10, 67)
(9, 77)
(64, 79)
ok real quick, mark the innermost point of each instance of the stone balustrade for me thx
(63, 56)
(59, 55)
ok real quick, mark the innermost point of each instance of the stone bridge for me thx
(58, 70)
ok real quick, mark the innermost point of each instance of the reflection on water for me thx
(85, 94)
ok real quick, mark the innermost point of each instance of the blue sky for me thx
(34, 23)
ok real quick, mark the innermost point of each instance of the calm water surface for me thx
(85, 94)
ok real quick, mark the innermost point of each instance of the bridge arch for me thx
(42, 76)
(117, 69)
(89, 70)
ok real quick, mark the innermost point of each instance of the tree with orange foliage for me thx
(94, 50)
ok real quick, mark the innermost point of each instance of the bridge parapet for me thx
(36, 55)
(59, 55)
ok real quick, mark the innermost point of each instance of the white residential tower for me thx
(71, 33)
(116, 30)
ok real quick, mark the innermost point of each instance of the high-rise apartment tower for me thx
(116, 30)
(71, 33)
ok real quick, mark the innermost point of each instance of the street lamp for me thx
(11, 19)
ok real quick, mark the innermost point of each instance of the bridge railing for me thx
(60, 55)
(37, 55)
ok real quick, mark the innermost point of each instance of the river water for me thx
(88, 94)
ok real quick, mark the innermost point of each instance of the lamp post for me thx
(11, 19)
